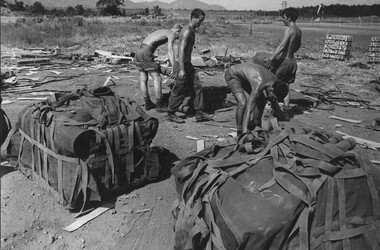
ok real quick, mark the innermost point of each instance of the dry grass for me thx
(218, 33)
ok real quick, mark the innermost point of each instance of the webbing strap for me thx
(71, 122)
(124, 137)
(349, 233)
(329, 208)
(192, 181)
(60, 160)
(38, 139)
(323, 165)
(85, 179)
(45, 158)
(50, 152)
(110, 166)
(232, 161)
(130, 156)
(372, 188)
(279, 176)
(315, 145)
(12, 131)
(342, 212)
(215, 232)
(244, 166)
(309, 152)
(60, 177)
(133, 114)
(139, 135)
(375, 198)
(350, 173)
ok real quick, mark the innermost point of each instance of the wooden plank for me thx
(345, 119)
(86, 218)
(191, 137)
(200, 145)
(370, 144)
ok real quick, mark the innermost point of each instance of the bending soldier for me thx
(261, 85)
(145, 59)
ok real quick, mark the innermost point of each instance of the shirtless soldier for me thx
(260, 84)
(282, 62)
(144, 57)
(186, 80)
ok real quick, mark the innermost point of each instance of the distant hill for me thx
(178, 4)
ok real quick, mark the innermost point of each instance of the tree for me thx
(38, 8)
(157, 10)
(109, 7)
(4, 3)
(18, 6)
(79, 10)
(146, 11)
(70, 11)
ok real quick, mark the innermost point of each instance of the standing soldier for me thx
(282, 62)
(186, 79)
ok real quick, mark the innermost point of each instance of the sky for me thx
(274, 4)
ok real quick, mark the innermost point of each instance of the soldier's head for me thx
(290, 13)
(197, 17)
(277, 91)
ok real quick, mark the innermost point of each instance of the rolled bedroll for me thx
(71, 141)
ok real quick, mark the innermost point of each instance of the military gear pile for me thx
(298, 190)
(86, 145)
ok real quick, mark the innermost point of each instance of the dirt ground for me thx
(31, 219)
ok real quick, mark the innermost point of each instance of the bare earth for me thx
(31, 219)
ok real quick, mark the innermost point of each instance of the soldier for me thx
(282, 62)
(186, 80)
(261, 85)
(145, 58)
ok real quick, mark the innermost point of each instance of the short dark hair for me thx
(290, 12)
(196, 13)
(281, 90)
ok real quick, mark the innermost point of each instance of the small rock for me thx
(44, 232)
(82, 240)
(3, 239)
(113, 211)
(52, 238)
(159, 198)
(83, 246)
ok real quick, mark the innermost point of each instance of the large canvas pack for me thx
(298, 190)
(86, 145)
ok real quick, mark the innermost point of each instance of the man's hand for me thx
(181, 74)
(268, 63)
(171, 72)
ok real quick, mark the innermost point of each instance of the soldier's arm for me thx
(284, 43)
(252, 101)
(171, 40)
(181, 52)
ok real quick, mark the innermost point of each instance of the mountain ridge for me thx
(128, 4)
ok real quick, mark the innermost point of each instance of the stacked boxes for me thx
(337, 47)
(374, 50)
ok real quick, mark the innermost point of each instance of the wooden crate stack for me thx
(337, 47)
(374, 50)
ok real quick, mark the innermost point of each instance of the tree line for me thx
(114, 8)
(103, 8)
